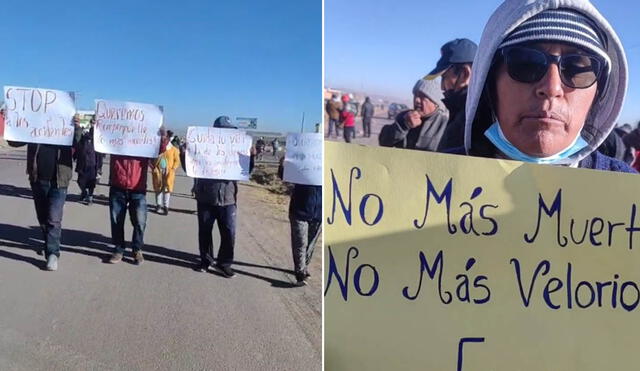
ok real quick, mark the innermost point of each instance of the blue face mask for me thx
(495, 135)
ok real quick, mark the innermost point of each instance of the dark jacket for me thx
(425, 137)
(453, 135)
(595, 161)
(367, 110)
(63, 163)
(306, 203)
(129, 173)
(88, 161)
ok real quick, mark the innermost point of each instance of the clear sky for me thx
(199, 59)
(384, 46)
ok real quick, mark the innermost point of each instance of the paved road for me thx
(159, 316)
(376, 125)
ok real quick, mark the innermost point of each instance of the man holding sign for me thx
(302, 166)
(43, 118)
(218, 157)
(130, 133)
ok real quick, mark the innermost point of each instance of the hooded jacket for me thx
(604, 110)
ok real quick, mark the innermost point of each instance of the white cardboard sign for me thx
(127, 128)
(217, 153)
(303, 159)
(35, 115)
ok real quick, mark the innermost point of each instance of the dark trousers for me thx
(226, 218)
(119, 201)
(87, 185)
(49, 201)
(333, 125)
(366, 126)
(349, 133)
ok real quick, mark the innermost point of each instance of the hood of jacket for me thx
(604, 110)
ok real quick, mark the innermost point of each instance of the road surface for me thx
(161, 315)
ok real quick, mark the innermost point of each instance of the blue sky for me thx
(384, 46)
(199, 59)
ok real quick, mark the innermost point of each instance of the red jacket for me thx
(129, 173)
(348, 119)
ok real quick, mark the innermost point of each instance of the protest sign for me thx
(127, 128)
(216, 153)
(303, 159)
(444, 262)
(35, 115)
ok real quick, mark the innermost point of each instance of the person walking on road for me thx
(367, 114)
(128, 191)
(88, 163)
(217, 202)
(49, 168)
(305, 217)
(164, 173)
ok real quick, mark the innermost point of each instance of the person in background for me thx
(164, 172)
(275, 146)
(217, 202)
(348, 119)
(367, 115)
(260, 144)
(333, 108)
(422, 127)
(454, 67)
(305, 217)
(88, 163)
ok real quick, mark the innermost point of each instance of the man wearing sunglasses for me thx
(547, 85)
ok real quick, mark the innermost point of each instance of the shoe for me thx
(115, 258)
(202, 268)
(301, 279)
(166, 210)
(225, 270)
(138, 258)
(89, 200)
(52, 263)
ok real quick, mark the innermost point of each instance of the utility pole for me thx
(302, 126)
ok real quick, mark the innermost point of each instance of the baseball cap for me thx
(455, 51)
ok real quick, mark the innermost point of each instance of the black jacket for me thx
(64, 161)
(453, 135)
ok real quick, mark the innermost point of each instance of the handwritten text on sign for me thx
(303, 159)
(216, 153)
(39, 115)
(127, 128)
(426, 252)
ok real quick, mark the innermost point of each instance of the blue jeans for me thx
(226, 217)
(119, 201)
(49, 201)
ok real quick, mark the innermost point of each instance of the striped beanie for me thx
(564, 25)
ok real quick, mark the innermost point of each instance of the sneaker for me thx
(225, 270)
(52, 263)
(202, 268)
(115, 258)
(137, 256)
(166, 210)
(89, 200)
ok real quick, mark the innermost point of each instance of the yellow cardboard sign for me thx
(445, 262)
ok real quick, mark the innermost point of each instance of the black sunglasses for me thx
(528, 65)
